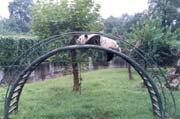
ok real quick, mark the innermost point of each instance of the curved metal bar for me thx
(144, 56)
(23, 77)
(33, 49)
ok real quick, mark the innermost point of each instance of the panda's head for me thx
(82, 39)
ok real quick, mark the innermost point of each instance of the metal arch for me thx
(13, 95)
(149, 60)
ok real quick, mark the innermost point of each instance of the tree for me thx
(3, 26)
(116, 25)
(51, 18)
(122, 25)
(20, 18)
(167, 10)
(157, 43)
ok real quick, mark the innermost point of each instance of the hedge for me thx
(13, 46)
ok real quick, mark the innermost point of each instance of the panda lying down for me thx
(96, 39)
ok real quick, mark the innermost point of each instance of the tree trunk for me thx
(75, 71)
(129, 72)
(76, 86)
(127, 52)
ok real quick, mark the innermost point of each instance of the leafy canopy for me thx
(20, 17)
(51, 18)
(157, 43)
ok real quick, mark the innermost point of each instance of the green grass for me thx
(106, 94)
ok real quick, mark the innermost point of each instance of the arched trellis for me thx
(14, 92)
(167, 97)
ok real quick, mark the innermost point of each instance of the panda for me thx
(96, 39)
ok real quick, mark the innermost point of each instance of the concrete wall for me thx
(47, 70)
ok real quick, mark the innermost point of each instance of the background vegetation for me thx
(157, 27)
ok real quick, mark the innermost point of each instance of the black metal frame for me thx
(14, 92)
(159, 100)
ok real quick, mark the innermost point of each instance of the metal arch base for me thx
(14, 93)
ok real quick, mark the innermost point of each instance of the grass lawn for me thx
(106, 94)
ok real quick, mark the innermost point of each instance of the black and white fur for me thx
(96, 39)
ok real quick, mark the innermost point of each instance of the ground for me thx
(106, 94)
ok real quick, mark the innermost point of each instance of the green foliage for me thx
(158, 42)
(116, 25)
(20, 18)
(167, 10)
(20, 15)
(50, 18)
(3, 26)
(106, 94)
(11, 47)
(159, 35)
(123, 24)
